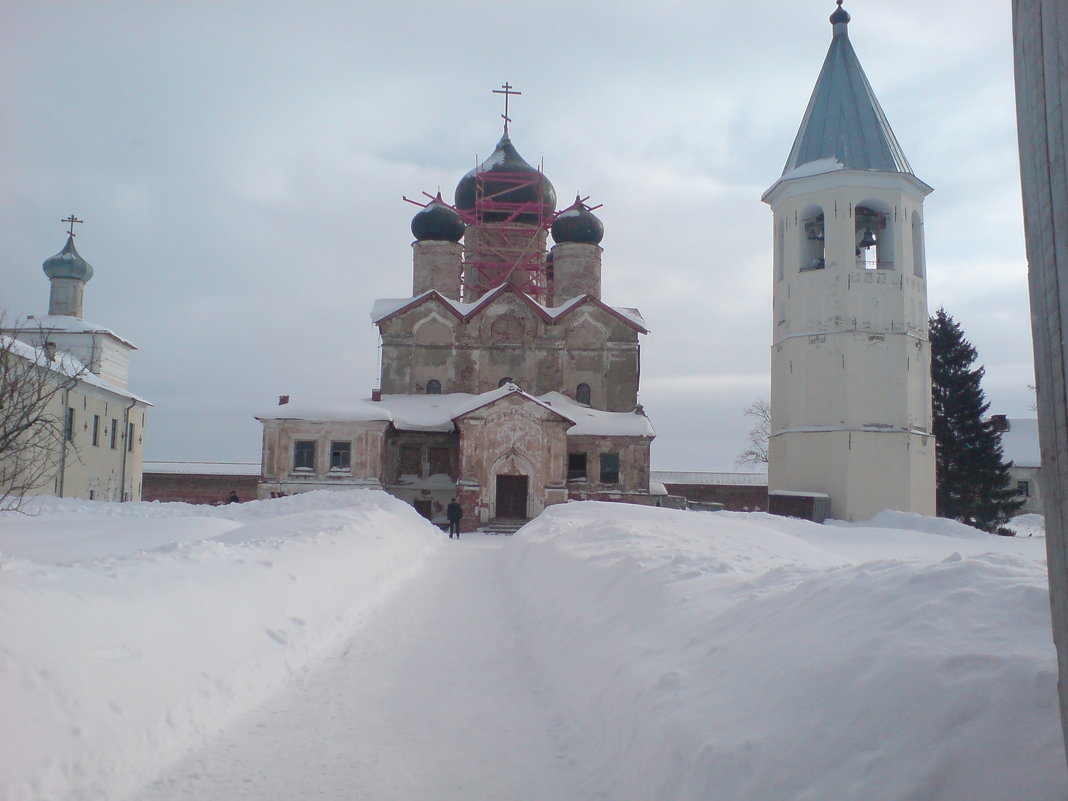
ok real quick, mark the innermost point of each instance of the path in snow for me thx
(431, 700)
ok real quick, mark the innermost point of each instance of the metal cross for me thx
(506, 90)
(72, 219)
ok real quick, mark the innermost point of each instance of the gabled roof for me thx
(438, 412)
(386, 308)
(844, 126)
(496, 395)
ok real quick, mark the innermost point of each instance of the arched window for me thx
(433, 387)
(582, 393)
(812, 240)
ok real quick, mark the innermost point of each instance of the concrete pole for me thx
(1040, 35)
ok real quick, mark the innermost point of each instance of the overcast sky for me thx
(240, 168)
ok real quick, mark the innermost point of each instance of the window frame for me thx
(609, 475)
(337, 452)
(301, 453)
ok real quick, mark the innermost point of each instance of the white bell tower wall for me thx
(851, 398)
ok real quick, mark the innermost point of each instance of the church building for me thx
(851, 361)
(506, 381)
(90, 444)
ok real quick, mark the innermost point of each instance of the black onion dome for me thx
(578, 224)
(506, 159)
(840, 14)
(438, 222)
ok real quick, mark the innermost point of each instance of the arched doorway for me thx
(512, 494)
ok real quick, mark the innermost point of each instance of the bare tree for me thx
(757, 452)
(34, 436)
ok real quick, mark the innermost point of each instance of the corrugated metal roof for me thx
(844, 122)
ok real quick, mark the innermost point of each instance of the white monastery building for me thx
(850, 380)
(506, 381)
(99, 451)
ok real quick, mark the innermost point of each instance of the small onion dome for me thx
(68, 264)
(840, 14)
(506, 160)
(578, 224)
(438, 222)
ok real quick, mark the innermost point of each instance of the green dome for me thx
(68, 264)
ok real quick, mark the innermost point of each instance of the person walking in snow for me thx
(454, 512)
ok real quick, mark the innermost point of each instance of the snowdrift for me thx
(130, 631)
(744, 656)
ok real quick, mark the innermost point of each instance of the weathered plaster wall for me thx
(513, 437)
(366, 456)
(633, 455)
(510, 339)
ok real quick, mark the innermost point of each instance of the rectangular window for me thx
(609, 468)
(96, 429)
(340, 455)
(411, 460)
(68, 425)
(440, 462)
(130, 438)
(1023, 488)
(304, 454)
(576, 467)
(114, 433)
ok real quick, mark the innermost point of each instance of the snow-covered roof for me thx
(66, 365)
(733, 479)
(1020, 442)
(437, 412)
(204, 468)
(71, 325)
(384, 308)
(844, 126)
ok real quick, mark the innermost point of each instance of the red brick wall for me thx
(196, 487)
(734, 497)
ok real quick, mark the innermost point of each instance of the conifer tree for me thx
(973, 481)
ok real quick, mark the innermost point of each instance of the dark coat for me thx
(454, 512)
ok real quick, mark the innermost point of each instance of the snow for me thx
(437, 412)
(386, 307)
(69, 324)
(64, 364)
(732, 479)
(816, 167)
(336, 645)
(205, 468)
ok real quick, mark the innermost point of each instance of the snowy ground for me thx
(334, 645)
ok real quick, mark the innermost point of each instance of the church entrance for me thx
(512, 497)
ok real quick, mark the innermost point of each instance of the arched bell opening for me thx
(873, 237)
(812, 246)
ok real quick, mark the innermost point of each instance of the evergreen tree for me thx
(973, 481)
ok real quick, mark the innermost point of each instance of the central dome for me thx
(517, 184)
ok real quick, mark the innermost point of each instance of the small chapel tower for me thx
(850, 376)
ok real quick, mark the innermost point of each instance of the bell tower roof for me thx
(844, 126)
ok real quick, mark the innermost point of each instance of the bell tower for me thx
(850, 363)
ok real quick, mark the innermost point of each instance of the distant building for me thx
(850, 375)
(101, 451)
(737, 492)
(200, 482)
(1019, 444)
(506, 381)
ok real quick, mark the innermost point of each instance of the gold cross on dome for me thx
(506, 90)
